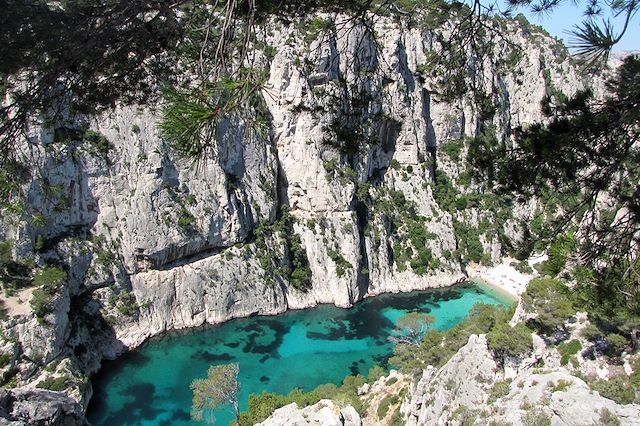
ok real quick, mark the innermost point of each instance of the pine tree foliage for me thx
(219, 388)
(588, 152)
(94, 54)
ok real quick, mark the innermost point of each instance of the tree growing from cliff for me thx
(219, 388)
(506, 341)
(550, 301)
(587, 161)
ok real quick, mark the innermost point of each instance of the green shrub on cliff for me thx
(270, 239)
(300, 272)
(99, 143)
(619, 388)
(262, 405)
(342, 264)
(386, 403)
(551, 301)
(49, 281)
(568, 349)
(437, 347)
(13, 274)
(499, 390)
(453, 149)
(505, 340)
(55, 384)
(125, 302)
(410, 233)
(470, 246)
(9, 378)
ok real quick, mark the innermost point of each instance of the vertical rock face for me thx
(152, 242)
(438, 388)
(165, 209)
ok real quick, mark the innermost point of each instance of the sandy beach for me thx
(505, 277)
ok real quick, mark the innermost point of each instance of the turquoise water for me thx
(150, 385)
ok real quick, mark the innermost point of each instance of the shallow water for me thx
(150, 385)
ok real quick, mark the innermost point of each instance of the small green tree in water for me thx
(411, 327)
(220, 387)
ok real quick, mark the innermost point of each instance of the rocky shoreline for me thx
(136, 334)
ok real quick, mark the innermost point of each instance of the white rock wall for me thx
(179, 234)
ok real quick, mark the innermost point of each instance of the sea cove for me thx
(303, 349)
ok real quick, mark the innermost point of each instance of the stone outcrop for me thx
(464, 389)
(453, 386)
(38, 408)
(325, 412)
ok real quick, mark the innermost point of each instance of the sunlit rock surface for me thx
(152, 242)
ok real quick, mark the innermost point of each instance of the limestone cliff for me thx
(152, 242)
(472, 388)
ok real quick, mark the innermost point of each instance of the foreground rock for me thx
(471, 387)
(325, 412)
(37, 407)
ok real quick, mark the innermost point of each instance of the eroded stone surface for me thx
(325, 412)
(152, 242)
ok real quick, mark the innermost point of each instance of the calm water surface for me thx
(150, 385)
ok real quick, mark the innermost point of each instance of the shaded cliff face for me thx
(152, 242)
